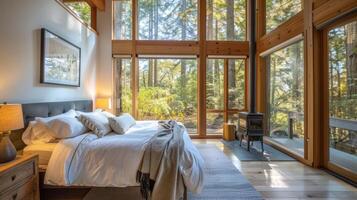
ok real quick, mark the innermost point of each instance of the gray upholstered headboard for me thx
(48, 109)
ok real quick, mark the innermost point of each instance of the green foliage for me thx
(278, 11)
(122, 20)
(286, 88)
(82, 9)
(342, 43)
(226, 20)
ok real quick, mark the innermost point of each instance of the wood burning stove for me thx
(250, 124)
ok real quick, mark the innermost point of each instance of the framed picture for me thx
(60, 60)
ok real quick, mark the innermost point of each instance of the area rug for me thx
(255, 153)
(223, 180)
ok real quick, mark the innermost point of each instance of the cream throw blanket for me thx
(159, 173)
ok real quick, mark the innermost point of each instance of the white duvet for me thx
(113, 160)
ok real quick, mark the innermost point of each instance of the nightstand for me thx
(19, 178)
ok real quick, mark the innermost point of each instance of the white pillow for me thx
(122, 123)
(71, 113)
(105, 113)
(96, 122)
(66, 127)
(37, 133)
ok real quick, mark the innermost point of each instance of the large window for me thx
(167, 19)
(225, 92)
(168, 90)
(342, 63)
(286, 97)
(123, 83)
(122, 19)
(226, 20)
(163, 40)
(279, 11)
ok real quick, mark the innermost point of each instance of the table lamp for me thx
(103, 103)
(11, 118)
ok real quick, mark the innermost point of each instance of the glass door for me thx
(341, 115)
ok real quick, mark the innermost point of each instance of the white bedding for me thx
(113, 160)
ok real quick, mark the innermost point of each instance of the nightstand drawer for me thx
(15, 175)
(23, 192)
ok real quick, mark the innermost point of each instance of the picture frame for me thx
(60, 60)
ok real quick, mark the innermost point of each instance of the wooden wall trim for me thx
(332, 10)
(167, 48)
(122, 47)
(142, 47)
(227, 48)
(289, 29)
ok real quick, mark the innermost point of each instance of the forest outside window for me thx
(123, 85)
(286, 97)
(279, 11)
(225, 92)
(168, 90)
(167, 19)
(122, 20)
(82, 9)
(226, 20)
(342, 76)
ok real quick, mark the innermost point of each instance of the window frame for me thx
(226, 110)
(93, 14)
(200, 48)
(325, 100)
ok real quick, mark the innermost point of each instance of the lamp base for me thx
(7, 149)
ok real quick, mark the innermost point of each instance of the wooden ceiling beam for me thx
(100, 4)
(331, 10)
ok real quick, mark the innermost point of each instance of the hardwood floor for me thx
(288, 179)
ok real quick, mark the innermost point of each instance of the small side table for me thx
(19, 178)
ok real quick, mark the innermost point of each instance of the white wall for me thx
(105, 63)
(20, 22)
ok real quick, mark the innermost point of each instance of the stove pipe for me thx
(252, 53)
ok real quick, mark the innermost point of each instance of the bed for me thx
(88, 161)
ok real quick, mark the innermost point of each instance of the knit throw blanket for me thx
(159, 173)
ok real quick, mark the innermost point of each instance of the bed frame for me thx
(48, 109)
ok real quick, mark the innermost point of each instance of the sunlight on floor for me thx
(287, 179)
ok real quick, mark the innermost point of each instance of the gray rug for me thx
(255, 153)
(223, 180)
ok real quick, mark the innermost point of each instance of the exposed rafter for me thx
(100, 4)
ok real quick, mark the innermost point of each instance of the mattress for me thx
(44, 151)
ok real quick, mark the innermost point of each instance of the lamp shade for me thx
(103, 103)
(11, 117)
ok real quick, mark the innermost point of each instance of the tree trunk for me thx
(351, 58)
(119, 81)
(210, 20)
(183, 37)
(230, 19)
(119, 24)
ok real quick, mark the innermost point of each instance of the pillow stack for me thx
(74, 123)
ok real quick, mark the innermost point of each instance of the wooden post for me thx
(201, 92)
